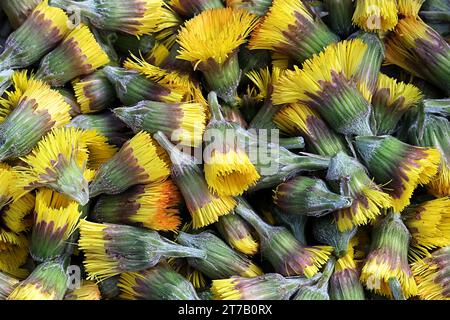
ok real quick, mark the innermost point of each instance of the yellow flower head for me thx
(87, 291)
(214, 35)
(154, 206)
(429, 224)
(58, 162)
(342, 58)
(78, 54)
(376, 15)
(292, 28)
(181, 86)
(52, 226)
(139, 161)
(409, 8)
(431, 275)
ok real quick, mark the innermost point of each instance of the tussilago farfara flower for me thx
(54, 222)
(41, 31)
(14, 222)
(420, 50)
(431, 275)
(132, 87)
(308, 196)
(139, 161)
(210, 41)
(171, 73)
(400, 167)
(264, 80)
(33, 109)
(281, 249)
(409, 8)
(344, 282)
(153, 206)
(390, 101)
(429, 225)
(88, 290)
(328, 83)
(376, 15)
(7, 285)
(18, 11)
(205, 207)
(386, 270)
(183, 122)
(78, 54)
(61, 161)
(158, 283)
(339, 18)
(238, 234)
(292, 28)
(434, 132)
(298, 119)
(190, 8)
(94, 93)
(319, 289)
(326, 231)
(48, 281)
(347, 176)
(269, 286)
(106, 124)
(221, 261)
(111, 249)
(136, 17)
(228, 169)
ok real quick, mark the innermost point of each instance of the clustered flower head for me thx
(227, 150)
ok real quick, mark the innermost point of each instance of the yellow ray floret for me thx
(41, 97)
(99, 149)
(341, 58)
(399, 47)
(421, 172)
(87, 291)
(293, 118)
(366, 207)
(439, 186)
(429, 224)
(14, 214)
(211, 211)
(215, 34)
(32, 291)
(409, 8)
(65, 219)
(158, 207)
(376, 274)
(88, 50)
(376, 15)
(149, 156)
(410, 93)
(98, 265)
(225, 289)
(230, 173)
(247, 245)
(66, 143)
(426, 272)
(181, 85)
(52, 198)
(270, 34)
(263, 79)
(55, 17)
